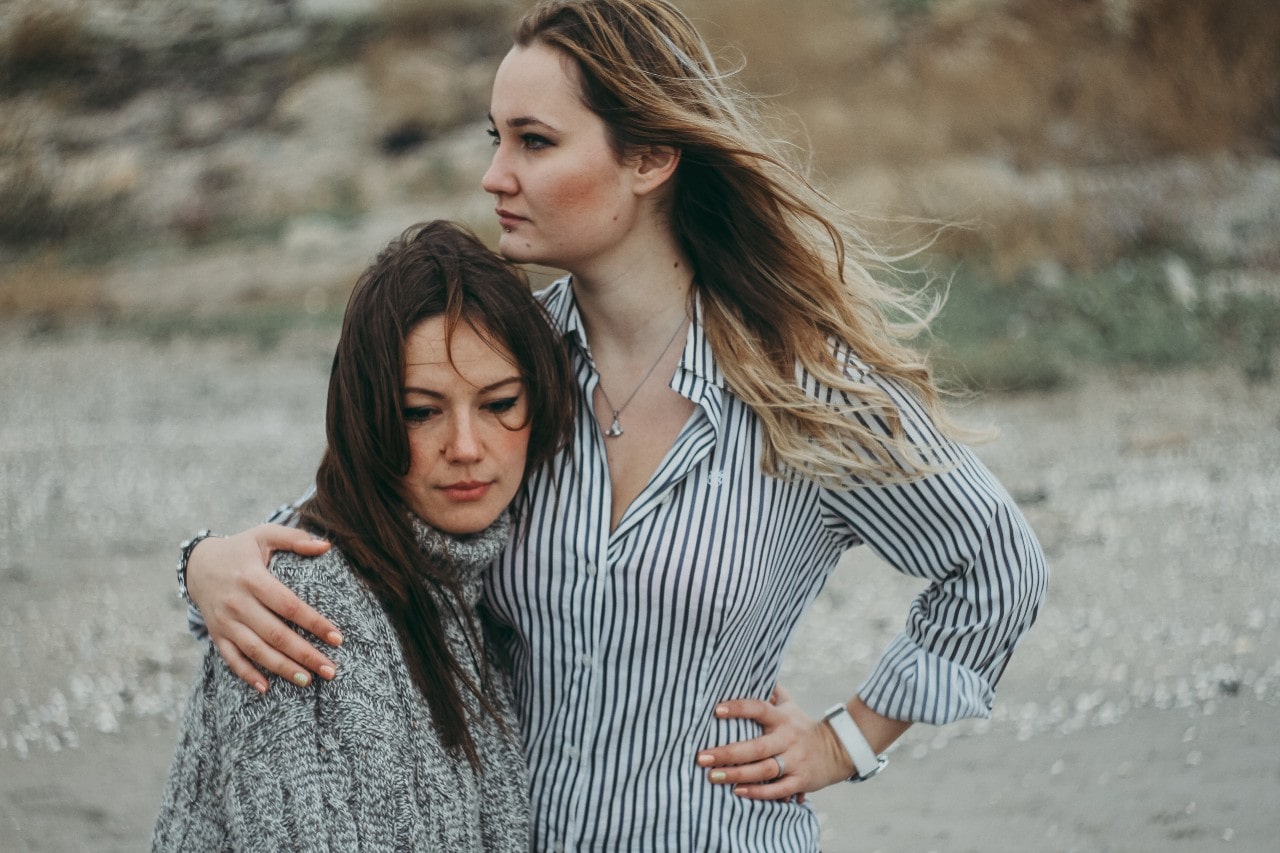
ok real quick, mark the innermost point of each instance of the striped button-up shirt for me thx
(625, 639)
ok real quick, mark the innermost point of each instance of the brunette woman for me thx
(448, 386)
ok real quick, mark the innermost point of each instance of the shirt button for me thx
(591, 569)
(586, 660)
(572, 752)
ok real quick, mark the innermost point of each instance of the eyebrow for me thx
(427, 392)
(524, 121)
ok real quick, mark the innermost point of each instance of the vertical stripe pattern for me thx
(624, 640)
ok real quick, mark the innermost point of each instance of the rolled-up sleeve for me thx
(960, 530)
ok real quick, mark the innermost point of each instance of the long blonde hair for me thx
(783, 274)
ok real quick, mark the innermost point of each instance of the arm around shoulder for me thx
(244, 607)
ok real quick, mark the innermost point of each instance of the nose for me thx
(498, 179)
(463, 444)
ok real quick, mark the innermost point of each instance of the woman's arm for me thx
(245, 607)
(958, 529)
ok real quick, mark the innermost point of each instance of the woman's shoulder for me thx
(330, 566)
(327, 582)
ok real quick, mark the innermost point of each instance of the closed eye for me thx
(418, 414)
(503, 405)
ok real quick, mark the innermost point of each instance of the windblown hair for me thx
(783, 274)
(436, 269)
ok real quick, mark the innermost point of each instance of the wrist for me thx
(185, 550)
(858, 752)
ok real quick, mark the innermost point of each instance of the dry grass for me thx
(43, 286)
(1007, 114)
(1028, 81)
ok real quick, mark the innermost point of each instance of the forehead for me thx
(430, 360)
(536, 82)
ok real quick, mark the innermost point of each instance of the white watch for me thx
(865, 761)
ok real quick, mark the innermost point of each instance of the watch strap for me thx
(865, 761)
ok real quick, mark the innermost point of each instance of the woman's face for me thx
(468, 422)
(563, 197)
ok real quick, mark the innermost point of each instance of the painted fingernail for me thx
(717, 775)
(705, 758)
(260, 686)
(301, 679)
(334, 638)
(721, 711)
(327, 672)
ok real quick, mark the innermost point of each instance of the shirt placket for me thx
(591, 557)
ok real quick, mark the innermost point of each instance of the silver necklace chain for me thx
(615, 428)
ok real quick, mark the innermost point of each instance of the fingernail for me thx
(260, 686)
(716, 776)
(721, 710)
(327, 673)
(301, 679)
(334, 638)
(705, 758)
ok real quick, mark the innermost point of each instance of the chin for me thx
(518, 250)
(465, 524)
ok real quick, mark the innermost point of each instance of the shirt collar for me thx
(697, 361)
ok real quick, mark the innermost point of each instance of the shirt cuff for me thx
(916, 685)
(195, 624)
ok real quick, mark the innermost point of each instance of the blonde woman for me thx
(748, 413)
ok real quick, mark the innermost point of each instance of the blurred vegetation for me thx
(1034, 333)
(264, 326)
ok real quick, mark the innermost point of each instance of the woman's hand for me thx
(244, 606)
(811, 755)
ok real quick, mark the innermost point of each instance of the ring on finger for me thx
(782, 767)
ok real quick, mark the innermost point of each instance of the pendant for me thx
(615, 428)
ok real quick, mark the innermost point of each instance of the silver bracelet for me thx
(184, 557)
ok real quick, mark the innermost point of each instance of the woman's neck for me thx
(627, 307)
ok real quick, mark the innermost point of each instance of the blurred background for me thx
(188, 190)
(1108, 167)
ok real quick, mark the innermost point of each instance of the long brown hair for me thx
(435, 269)
(783, 273)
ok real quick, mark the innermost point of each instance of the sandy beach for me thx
(1141, 713)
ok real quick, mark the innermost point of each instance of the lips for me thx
(465, 492)
(507, 219)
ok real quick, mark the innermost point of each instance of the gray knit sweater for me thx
(353, 763)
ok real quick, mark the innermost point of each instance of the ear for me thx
(654, 166)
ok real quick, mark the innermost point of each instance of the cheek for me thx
(513, 447)
(589, 191)
(421, 458)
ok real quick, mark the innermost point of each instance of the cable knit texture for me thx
(354, 763)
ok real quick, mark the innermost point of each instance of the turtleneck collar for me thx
(467, 551)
